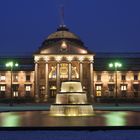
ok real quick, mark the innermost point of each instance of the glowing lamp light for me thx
(64, 45)
(110, 65)
(83, 51)
(46, 59)
(16, 64)
(90, 58)
(116, 65)
(58, 58)
(81, 58)
(11, 64)
(69, 58)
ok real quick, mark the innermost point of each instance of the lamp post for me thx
(11, 65)
(116, 65)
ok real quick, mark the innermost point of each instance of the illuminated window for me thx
(98, 87)
(52, 73)
(53, 91)
(123, 87)
(64, 70)
(98, 90)
(64, 47)
(15, 93)
(2, 88)
(15, 90)
(75, 74)
(27, 88)
(2, 78)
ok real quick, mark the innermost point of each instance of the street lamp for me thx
(11, 65)
(115, 65)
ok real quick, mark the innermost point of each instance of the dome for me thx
(62, 41)
(63, 32)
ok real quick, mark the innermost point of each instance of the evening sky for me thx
(103, 25)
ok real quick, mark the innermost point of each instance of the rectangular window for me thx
(135, 77)
(123, 87)
(111, 78)
(28, 77)
(27, 88)
(2, 78)
(15, 77)
(98, 87)
(123, 77)
(99, 77)
(98, 90)
(15, 87)
(15, 93)
(2, 87)
(52, 71)
(64, 71)
(111, 87)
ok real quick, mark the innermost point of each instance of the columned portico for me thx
(62, 57)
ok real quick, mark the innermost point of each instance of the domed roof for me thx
(62, 41)
(63, 32)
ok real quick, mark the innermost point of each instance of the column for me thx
(69, 74)
(46, 89)
(91, 79)
(58, 77)
(36, 83)
(81, 72)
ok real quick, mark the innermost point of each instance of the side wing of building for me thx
(128, 76)
(22, 83)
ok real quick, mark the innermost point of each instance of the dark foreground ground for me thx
(71, 135)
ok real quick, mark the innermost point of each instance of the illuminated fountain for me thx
(71, 101)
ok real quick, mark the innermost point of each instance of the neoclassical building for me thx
(62, 57)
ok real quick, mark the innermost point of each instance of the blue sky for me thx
(103, 25)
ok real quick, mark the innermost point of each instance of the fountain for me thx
(71, 101)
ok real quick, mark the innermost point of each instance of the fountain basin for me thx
(71, 98)
(71, 101)
(71, 110)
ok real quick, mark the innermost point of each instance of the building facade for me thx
(62, 57)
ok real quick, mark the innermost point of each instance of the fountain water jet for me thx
(71, 101)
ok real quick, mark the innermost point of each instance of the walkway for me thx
(43, 106)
